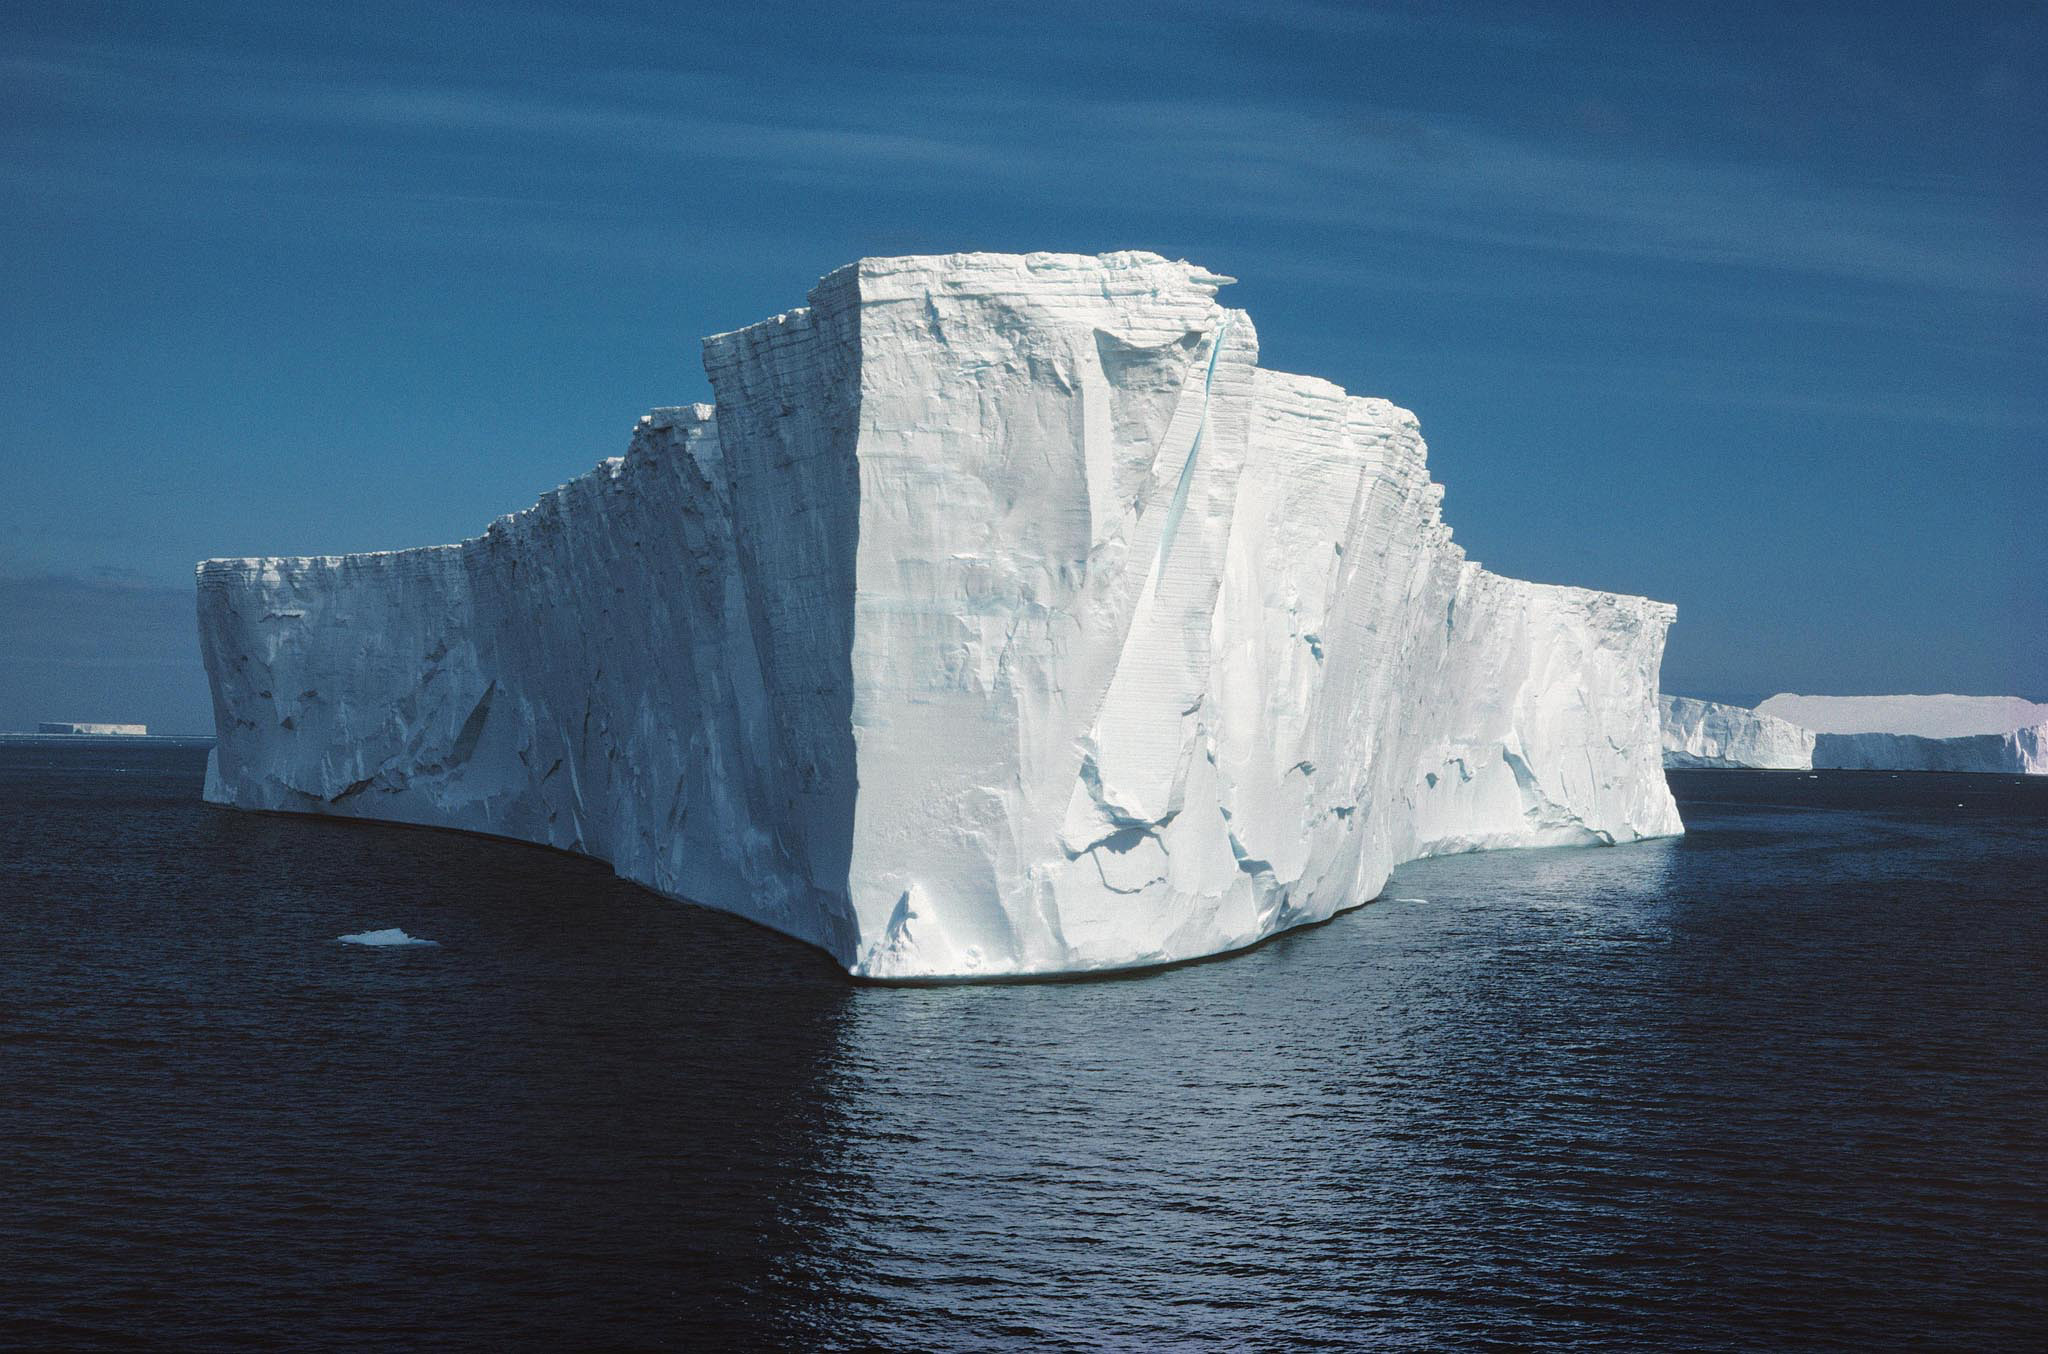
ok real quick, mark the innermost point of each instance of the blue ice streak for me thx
(1187, 470)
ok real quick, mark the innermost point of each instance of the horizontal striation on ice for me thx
(1005, 618)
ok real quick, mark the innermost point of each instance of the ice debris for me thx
(390, 936)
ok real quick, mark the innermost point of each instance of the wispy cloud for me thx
(1361, 168)
(1488, 202)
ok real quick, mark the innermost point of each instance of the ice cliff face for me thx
(2017, 752)
(2000, 734)
(1004, 618)
(1704, 733)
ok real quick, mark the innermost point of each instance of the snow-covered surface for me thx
(1706, 733)
(1919, 716)
(1004, 618)
(390, 936)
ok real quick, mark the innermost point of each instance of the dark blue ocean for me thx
(1782, 1084)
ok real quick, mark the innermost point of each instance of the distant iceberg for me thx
(1998, 734)
(1706, 733)
(391, 936)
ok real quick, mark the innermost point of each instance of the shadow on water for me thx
(1774, 1084)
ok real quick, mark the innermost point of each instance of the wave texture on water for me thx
(1776, 1084)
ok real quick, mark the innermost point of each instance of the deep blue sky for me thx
(1743, 307)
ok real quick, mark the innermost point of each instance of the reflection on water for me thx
(1776, 1084)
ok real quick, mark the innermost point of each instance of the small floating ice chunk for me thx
(390, 936)
(1407, 900)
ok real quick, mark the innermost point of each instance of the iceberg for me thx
(1991, 734)
(1002, 617)
(1707, 733)
(2003, 734)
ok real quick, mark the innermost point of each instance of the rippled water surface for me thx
(1781, 1084)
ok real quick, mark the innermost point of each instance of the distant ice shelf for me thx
(1003, 617)
(1992, 734)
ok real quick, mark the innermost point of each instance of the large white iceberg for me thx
(1004, 618)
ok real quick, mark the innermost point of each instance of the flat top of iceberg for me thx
(1039, 262)
(390, 936)
(1044, 275)
(1921, 716)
